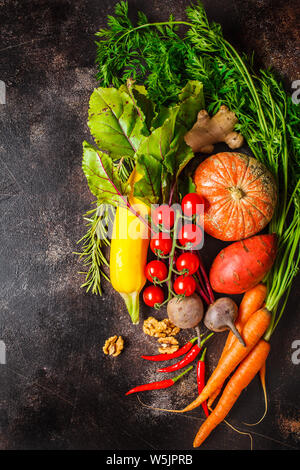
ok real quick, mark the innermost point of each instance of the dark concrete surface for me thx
(57, 389)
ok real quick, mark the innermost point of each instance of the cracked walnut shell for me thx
(113, 346)
(159, 329)
(168, 345)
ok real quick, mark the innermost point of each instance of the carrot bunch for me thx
(251, 302)
(243, 362)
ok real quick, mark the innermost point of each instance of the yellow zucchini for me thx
(128, 252)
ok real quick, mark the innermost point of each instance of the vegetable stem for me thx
(151, 25)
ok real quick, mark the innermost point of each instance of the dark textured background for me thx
(58, 390)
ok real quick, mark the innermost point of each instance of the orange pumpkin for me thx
(240, 195)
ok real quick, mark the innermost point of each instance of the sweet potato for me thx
(243, 264)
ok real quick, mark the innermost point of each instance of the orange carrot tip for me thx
(155, 408)
(262, 375)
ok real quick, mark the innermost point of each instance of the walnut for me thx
(168, 345)
(113, 345)
(159, 329)
(150, 326)
(170, 328)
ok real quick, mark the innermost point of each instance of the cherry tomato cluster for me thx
(164, 243)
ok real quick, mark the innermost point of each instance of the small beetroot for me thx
(221, 315)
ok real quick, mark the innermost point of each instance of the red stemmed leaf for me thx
(102, 176)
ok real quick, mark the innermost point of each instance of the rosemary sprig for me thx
(94, 243)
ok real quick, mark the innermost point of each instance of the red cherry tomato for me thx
(164, 215)
(161, 242)
(156, 270)
(153, 295)
(190, 234)
(185, 285)
(188, 261)
(190, 204)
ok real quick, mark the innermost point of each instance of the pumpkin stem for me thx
(236, 193)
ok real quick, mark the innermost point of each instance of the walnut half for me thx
(168, 345)
(159, 329)
(113, 345)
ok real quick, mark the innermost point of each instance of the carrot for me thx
(252, 300)
(253, 330)
(214, 394)
(262, 376)
(239, 380)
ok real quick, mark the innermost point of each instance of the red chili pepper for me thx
(201, 379)
(158, 385)
(178, 353)
(189, 357)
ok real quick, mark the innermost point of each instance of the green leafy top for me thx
(102, 176)
(127, 125)
(116, 122)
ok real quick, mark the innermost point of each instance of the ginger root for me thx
(208, 131)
